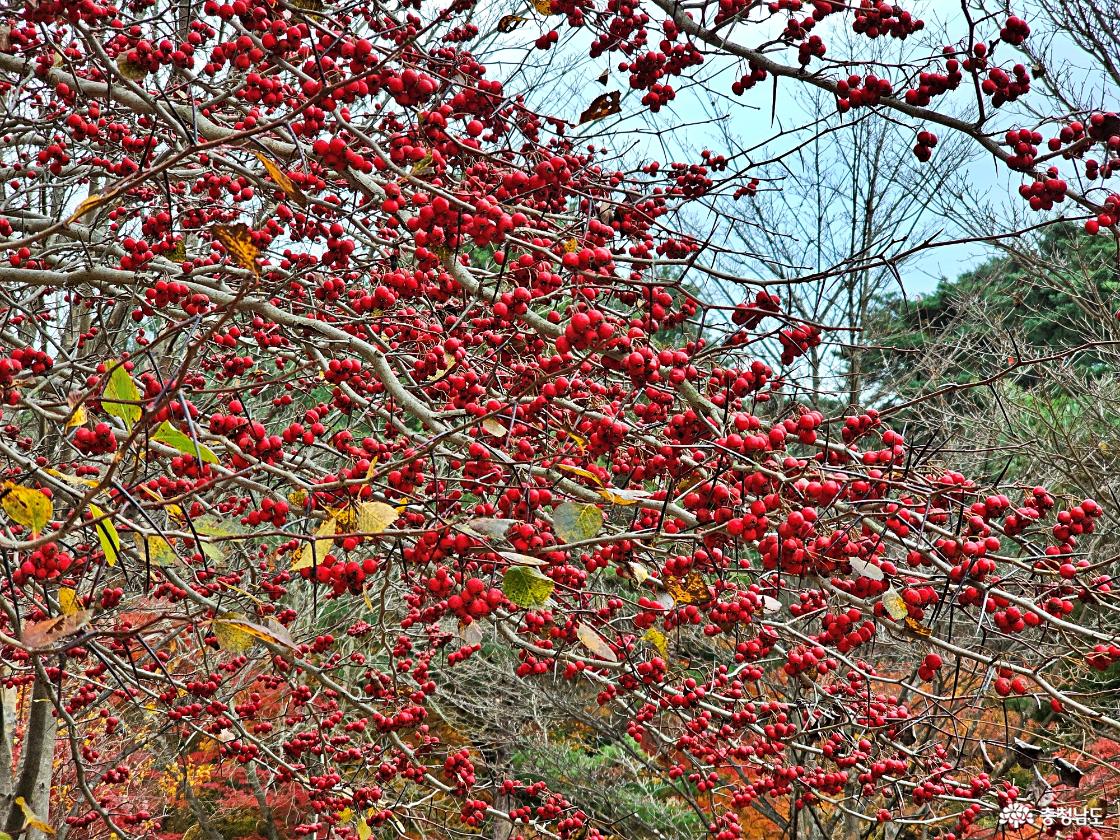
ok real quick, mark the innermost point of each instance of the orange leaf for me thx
(689, 590)
(282, 180)
(43, 634)
(602, 106)
(238, 240)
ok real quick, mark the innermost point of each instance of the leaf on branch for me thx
(574, 522)
(88, 205)
(77, 411)
(771, 605)
(601, 106)
(423, 163)
(31, 819)
(510, 23)
(861, 568)
(168, 434)
(1068, 772)
(448, 364)
(212, 526)
(376, 517)
(495, 529)
(178, 253)
(282, 180)
(68, 601)
(604, 77)
(236, 633)
(238, 240)
(522, 559)
(494, 427)
(543, 6)
(131, 70)
(27, 506)
(45, 633)
(527, 587)
(658, 641)
(692, 589)
(916, 627)
(894, 604)
(595, 643)
(621, 496)
(315, 550)
(156, 549)
(121, 398)
(581, 472)
(107, 535)
(639, 572)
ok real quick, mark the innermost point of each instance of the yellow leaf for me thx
(315, 550)
(107, 535)
(375, 517)
(178, 253)
(688, 590)
(423, 163)
(78, 416)
(239, 632)
(916, 627)
(621, 496)
(31, 819)
(580, 471)
(298, 498)
(131, 70)
(543, 6)
(27, 506)
(571, 245)
(73, 479)
(657, 639)
(494, 426)
(282, 180)
(89, 204)
(640, 572)
(894, 604)
(68, 601)
(155, 548)
(238, 240)
(362, 828)
(121, 398)
(574, 522)
(448, 364)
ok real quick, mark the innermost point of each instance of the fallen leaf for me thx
(521, 559)
(234, 629)
(495, 529)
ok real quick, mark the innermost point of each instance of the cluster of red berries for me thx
(96, 441)
(476, 600)
(923, 149)
(45, 563)
(1044, 193)
(857, 91)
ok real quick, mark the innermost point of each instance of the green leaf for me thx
(107, 535)
(121, 397)
(574, 522)
(168, 434)
(526, 587)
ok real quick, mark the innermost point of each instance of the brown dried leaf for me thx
(238, 240)
(282, 180)
(602, 106)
